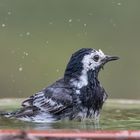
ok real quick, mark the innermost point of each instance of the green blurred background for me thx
(37, 37)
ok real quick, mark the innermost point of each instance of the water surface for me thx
(116, 115)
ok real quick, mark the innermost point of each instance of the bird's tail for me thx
(7, 114)
(21, 112)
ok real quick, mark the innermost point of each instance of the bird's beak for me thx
(110, 58)
(107, 59)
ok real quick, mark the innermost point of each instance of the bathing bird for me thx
(77, 96)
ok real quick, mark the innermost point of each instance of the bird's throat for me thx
(86, 78)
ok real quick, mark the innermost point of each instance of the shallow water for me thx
(116, 115)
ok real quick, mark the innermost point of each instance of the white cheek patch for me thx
(83, 79)
(87, 62)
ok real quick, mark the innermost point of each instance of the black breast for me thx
(92, 95)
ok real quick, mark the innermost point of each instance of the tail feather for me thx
(32, 114)
(7, 114)
(22, 112)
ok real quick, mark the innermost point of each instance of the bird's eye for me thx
(96, 58)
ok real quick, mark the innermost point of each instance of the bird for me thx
(78, 96)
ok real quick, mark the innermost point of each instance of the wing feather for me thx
(52, 100)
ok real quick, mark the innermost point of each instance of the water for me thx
(116, 115)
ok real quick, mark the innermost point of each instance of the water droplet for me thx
(20, 68)
(85, 25)
(9, 13)
(28, 33)
(3, 25)
(25, 53)
(57, 70)
(119, 3)
(50, 23)
(114, 25)
(70, 20)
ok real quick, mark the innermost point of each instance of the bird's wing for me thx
(53, 99)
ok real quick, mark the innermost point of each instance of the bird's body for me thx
(77, 96)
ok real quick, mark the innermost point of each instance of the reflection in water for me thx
(111, 119)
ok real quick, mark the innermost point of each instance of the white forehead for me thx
(99, 52)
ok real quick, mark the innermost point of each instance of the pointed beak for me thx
(107, 58)
(111, 58)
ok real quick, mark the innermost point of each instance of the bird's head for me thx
(95, 60)
(87, 59)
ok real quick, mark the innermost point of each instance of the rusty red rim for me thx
(124, 134)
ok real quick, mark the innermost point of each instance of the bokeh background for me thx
(37, 37)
